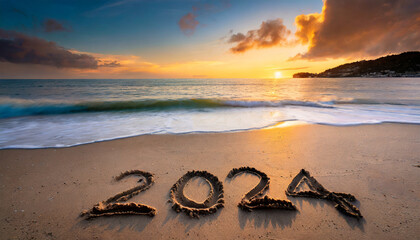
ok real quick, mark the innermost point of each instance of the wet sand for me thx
(43, 191)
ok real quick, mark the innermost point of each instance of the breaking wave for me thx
(28, 108)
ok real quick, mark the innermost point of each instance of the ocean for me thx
(37, 113)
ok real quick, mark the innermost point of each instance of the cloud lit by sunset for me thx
(213, 39)
(155, 119)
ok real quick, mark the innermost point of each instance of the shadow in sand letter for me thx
(341, 200)
(114, 206)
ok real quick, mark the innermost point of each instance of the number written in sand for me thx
(254, 199)
(115, 206)
(341, 200)
(182, 203)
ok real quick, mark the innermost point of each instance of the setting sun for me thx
(278, 75)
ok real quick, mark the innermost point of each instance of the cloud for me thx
(23, 56)
(51, 25)
(188, 23)
(110, 64)
(359, 28)
(48, 25)
(19, 48)
(271, 33)
(307, 24)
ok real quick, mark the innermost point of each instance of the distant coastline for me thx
(406, 64)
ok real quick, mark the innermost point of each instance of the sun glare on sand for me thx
(278, 75)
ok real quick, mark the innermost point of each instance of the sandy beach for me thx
(43, 191)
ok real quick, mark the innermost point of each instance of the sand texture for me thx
(253, 199)
(373, 168)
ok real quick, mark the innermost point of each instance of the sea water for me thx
(38, 113)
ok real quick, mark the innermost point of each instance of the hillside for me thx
(406, 64)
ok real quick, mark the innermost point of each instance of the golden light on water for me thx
(278, 75)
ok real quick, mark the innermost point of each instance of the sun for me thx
(278, 75)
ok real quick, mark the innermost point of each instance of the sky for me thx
(198, 39)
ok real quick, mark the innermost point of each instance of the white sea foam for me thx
(82, 115)
(74, 129)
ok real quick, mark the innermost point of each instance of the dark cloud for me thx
(48, 25)
(359, 28)
(110, 64)
(271, 33)
(188, 23)
(19, 48)
(237, 37)
(51, 25)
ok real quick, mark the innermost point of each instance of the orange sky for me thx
(273, 42)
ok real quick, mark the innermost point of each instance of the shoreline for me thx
(43, 191)
(288, 123)
(271, 126)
